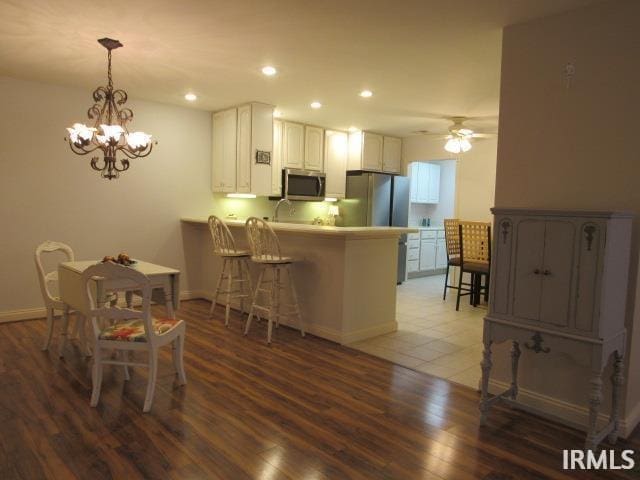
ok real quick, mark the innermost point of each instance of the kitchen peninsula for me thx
(345, 276)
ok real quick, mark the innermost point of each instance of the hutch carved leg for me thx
(486, 364)
(595, 399)
(515, 357)
(617, 379)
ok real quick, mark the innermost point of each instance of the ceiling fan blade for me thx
(484, 135)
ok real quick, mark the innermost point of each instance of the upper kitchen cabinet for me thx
(276, 159)
(391, 154)
(335, 162)
(425, 182)
(293, 147)
(241, 138)
(313, 146)
(365, 151)
(223, 164)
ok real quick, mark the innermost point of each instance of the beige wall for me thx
(50, 193)
(475, 171)
(573, 147)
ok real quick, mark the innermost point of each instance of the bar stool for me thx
(452, 241)
(232, 259)
(475, 259)
(265, 251)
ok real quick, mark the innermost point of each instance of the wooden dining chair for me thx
(452, 242)
(128, 329)
(475, 259)
(49, 289)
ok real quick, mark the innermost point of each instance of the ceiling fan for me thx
(459, 136)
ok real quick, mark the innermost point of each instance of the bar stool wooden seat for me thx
(265, 251)
(475, 259)
(235, 268)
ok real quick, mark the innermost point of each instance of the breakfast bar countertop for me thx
(319, 230)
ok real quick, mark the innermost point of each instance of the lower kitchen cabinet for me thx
(426, 253)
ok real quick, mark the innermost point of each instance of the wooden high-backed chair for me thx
(475, 259)
(265, 251)
(232, 258)
(452, 241)
(52, 301)
(129, 329)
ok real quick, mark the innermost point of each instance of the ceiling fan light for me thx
(465, 132)
(452, 145)
(465, 145)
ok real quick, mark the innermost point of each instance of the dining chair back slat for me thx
(48, 281)
(122, 278)
(452, 237)
(475, 242)
(263, 241)
(223, 242)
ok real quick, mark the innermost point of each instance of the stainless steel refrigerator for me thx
(378, 199)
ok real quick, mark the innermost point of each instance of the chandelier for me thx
(109, 132)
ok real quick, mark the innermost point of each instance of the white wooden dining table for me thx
(165, 284)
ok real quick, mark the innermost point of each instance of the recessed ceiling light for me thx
(192, 97)
(366, 93)
(277, 113)
(269, 70)
(316, 105)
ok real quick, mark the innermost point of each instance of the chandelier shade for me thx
(109, 134)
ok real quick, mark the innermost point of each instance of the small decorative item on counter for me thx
(122, 259)
(317, 221)
(428, 222)
(232, 216)
(424, 222)
(332, 212)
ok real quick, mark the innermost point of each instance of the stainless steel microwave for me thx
(303, 184)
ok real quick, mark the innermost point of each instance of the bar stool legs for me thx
(236, 284)
(272, 288)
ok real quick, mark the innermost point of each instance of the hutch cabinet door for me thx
(527, 288)
(557, 268)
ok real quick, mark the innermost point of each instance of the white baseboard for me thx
(40, 312)
(23, 314)
(575, 416)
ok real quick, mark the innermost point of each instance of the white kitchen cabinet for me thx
(441, 253)
(413, 266)
(559, 288)
(391, 154)
(425, 182)
(223, 160)
(276, 159)
(238, 134)
(313, 148)
(243, 165)
(365, 151)
(433, 195)
(428, 250)
(427, 255)
(335, 163)
(293, 146)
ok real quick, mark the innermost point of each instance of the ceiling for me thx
(423, 59)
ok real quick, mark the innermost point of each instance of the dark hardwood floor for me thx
(302, 409)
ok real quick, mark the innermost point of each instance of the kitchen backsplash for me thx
(263, 207)
(418, 211)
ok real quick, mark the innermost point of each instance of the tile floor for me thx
(432, 337)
